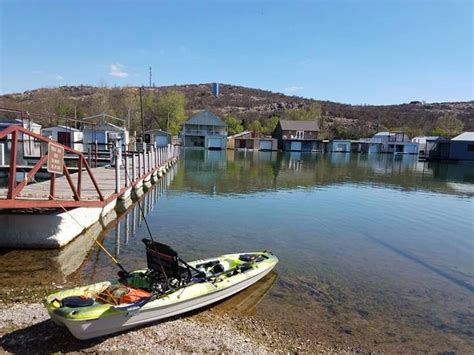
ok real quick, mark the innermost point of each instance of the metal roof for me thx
(299, 125)
(206, 118)
(465, 136)
(157, 130)
(63, 127)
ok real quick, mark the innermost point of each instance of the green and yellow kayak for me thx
(134, 299)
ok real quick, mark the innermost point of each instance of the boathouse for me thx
(103, 134)
(65, 135)
(29, 148)
(460, 148)
(425, 144)
(298, 136)
(249, 140)
(366, 146)
(158, 137)
(340, 146)
(395, 143)
(204, 130)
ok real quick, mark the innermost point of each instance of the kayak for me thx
(137, 298)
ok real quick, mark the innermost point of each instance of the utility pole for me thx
(141, 113)
(150, 78)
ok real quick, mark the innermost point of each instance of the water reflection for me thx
(221, 172)
(373, 249)
(28, 268)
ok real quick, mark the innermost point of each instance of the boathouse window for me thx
(300, 134)
(470, 147)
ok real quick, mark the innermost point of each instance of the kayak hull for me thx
(181, 301)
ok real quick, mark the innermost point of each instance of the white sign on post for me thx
(55, 158)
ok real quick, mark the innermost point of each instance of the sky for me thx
(352, 51)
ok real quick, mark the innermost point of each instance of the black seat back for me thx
(160, 256)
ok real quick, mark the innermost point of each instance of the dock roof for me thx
(465, 136)
(206, 118)
(288, 125)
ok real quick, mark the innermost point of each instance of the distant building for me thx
(366, 146)
(299, 136)
(204, 130)
(103, 134)
(395, 143)
(460, 148)
(65, 135)
(249, 141)
(424, 144)
(29, 146)
(339, 145)
(158, 137)
(25, 123)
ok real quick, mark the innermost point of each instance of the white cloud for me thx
(117, 70)
(58, 77)
(293, 88)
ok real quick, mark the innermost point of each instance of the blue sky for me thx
(360, 52)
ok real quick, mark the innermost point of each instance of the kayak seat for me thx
(163, 261)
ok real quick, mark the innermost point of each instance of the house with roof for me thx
(103, 134)
(395, 143)
(204, 130)
(30, 147)
(249, 140)
(425, 144)
(460, 148)
(339, 146)
(157, 137)
(297, 136)
(65, 135)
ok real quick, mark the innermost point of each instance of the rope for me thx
(85, 230)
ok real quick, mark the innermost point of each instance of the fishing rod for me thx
(86, 231)
(148, 228)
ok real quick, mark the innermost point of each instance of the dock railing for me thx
(135, 166)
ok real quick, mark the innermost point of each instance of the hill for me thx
(244, 103)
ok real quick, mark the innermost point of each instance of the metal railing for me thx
(137, 165)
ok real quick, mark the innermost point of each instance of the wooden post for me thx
(79, 175)
(52, 186)
(116, 153)
(133, 166)
(12, 172)
(144, 158)
(2, 154)
(139, 158)
(127, 175)
(96, 150)
(149, 158)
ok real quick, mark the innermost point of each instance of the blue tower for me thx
(215, 89)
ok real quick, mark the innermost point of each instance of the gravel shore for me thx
(26, 328)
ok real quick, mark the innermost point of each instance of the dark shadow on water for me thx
(418, 261)
(46, 337)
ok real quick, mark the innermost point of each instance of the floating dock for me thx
(51, 213)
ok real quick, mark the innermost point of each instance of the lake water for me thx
(375, 251)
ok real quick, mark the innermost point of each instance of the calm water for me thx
(374, 251)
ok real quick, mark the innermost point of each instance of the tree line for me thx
(169, 108)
